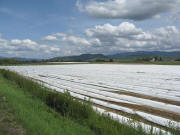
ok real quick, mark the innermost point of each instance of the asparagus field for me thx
(150, 92)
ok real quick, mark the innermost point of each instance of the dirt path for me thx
(8, 123)
(163, 100)
(147, 109)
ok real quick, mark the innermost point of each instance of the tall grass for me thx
(72, 108)
(33, 115)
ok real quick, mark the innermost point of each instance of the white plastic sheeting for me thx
(98, 81)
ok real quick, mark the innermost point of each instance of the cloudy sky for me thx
(49, 28)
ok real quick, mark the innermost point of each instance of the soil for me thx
(8, 123)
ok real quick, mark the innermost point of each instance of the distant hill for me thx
(26, 59)
(145, 53)
(119, 57)
(21, 59)
(79, 58)
(126, 56)
(146, 56)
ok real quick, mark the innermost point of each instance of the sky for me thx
(51, 28)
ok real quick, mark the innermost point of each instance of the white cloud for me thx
(24, 44)
(49, 38)
(167, 38)
(59, 34)
(129, 9)
(126, 36)
(107, 30)
(55, 49)
(79, 5)
(3, 44)
(16, 41)
(106, 39)
(75, 40)
(27, 48)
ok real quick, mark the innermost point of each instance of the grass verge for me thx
(35, 116)
(9, 125)
(68, 107)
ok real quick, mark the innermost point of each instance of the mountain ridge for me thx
(101, 57)
(123, 55)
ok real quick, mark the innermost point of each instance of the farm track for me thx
(163, 100)
(134, 117)
(151, 110)
(148, 109)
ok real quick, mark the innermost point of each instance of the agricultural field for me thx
(150, 94)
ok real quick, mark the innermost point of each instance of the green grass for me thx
(9, 125)
(37, 97)
(37, 117)
(92, 62)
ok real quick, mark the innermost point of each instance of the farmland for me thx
(150, 93)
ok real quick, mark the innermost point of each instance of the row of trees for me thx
(152, 59)
(104, 60)
(10, 61)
